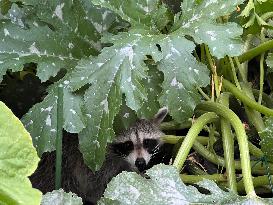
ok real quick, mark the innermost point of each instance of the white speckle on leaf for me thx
(126, 115)
(6, 32)
(223, 6)
(70, 45)
(88, 115)
(104, 103)
(190, 68)
(73, 111)
(210, 2)
(58, 11)
(212, 13)
(98, 27)
(33, 49)
(99, 64)
(231, 46)
(212, 35)
(97, 143)
(66, 82)
(127, 51)
(213, 49)
(48, 120)
(82, 78)
(48, 109)
(129, 79)
(144, 8)
(196, 71)
(104, 15)
(35, 24)
(168, 56)
(174, 82)
(52, 130)
(174, 50)
(30, 123)
(188, 23)
(228, 31)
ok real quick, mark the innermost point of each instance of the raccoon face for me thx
(141, 142)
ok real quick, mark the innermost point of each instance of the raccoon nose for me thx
(140, 164)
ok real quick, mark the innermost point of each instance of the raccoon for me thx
(135, 149)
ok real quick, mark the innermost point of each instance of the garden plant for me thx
(92, 67)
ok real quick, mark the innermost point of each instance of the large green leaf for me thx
(165, 187)
(41, 120)
(138, 13)
(267, 138)
(199, 21)
(53, 35)
(118, 69)
(18, 160)
(152, 84)
(182, 74)
(59, 197)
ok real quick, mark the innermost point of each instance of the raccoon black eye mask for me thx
(131, 150)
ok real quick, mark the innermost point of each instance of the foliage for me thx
(59, 197)
(266, 135)
(165, 187)
(18, 159)
(125, 59)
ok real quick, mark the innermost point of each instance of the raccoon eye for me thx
(150, 144)
(128, 145)
(124, 148)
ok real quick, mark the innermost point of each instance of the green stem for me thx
(241, 138)
(254, 117)
(234, 73)
(173, 139)
(256, 51)
(261, 79)
(228, 145)
(266, 98)
(191, 179)
(245, 99)
(257, 181)
(213, 69)
(205, 96)
(190, 138)
(241, 69)
(58, 171)
(258, 168)
(261, 70)
(172, 125)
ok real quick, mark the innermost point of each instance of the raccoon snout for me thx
(140, 164)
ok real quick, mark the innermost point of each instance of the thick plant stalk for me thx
(257, 168)
(172, 125)
(257, 181)
(254, 117)
(256, 51)
(196, 178)
(245, 99)
(234, 73)
(241, 137)
(228, 145)
(191, 136)
(173, 139)
(59, 138)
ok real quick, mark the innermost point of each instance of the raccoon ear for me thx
(160, 115)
